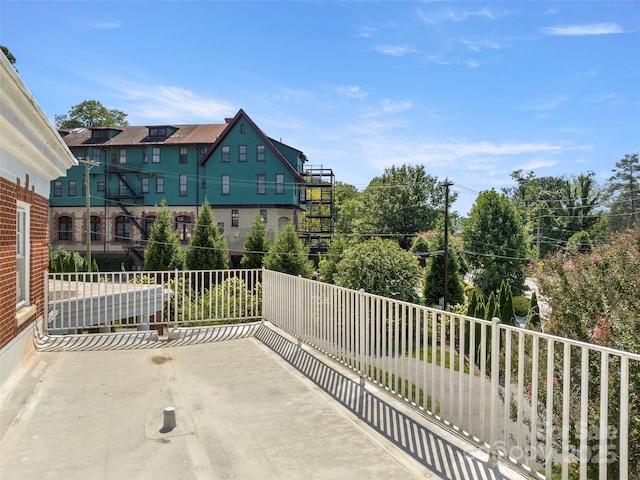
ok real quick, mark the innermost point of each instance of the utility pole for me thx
(446, 185)
(87, 193)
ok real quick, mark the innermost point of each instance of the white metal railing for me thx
(84, 302)
(547, 404)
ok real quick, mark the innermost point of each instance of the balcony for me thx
(274, 376)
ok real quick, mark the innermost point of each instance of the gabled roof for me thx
(241, 115)
(128, 136)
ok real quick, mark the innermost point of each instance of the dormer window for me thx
(158, 132)
(100, 133)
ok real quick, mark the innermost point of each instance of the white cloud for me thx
(542, 105)
(389, 107)
(105, 24)
(395, 50)
(582, 30)
(479, 156)
(365, 32)
(472, 63)
(351, 92)
(171, 104)
(458, 15)
(291, 94)
(480, 45)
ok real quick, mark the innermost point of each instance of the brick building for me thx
(31, 155)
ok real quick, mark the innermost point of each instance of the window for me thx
(123, 189)
(242, 153)
(242, 129)
(260, 153)
(155, 155)
(100, 133)
(226, 156)
(96, 228)
(144, 185)
(183, 227)
(148, 224)
(158, 132)
(101, 186)
(123, 156)
(57, 188)
(279, 183)
(123, 229)
(65, 225)
(225, 185)
(95, 155)
(145, 155)
(183, 184)
(220, 227)
(263, 215)
(23, 251)
(159, 184)
(234, 217)
(84, 188)
(183, 155)
(262, 184)
(72, 188)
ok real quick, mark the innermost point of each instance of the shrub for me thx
(521, 306)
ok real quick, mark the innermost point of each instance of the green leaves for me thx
(288, 254)
(379, 267)
(208, 249)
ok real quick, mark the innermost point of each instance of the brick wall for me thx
(10, 192)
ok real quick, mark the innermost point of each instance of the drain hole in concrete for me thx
(159, 360)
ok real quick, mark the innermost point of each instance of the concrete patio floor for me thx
(250, 404)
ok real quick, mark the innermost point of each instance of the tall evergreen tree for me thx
(329, 262)
(256, 245)
(624, 193)
(433, 289)
(533, 318)
(288, 254)
(507, 311)
(494, 233)
(163, 250)
(208, 249)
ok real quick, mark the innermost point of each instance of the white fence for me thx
(85, 302)
(550, 405)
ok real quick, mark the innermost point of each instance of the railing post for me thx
(495, 379)
(361, 335)
(175, 300)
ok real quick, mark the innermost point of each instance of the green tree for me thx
(163, 250)
(346, 207)
(379, 267)
(533, 317)
(433, 289)
(208, 249)
(593, 297)
(420, 248)
(624, 193)
(507, 311)
(288, 254)
(89, 114)
(8, 54)
(495, 236)
(402, 202)
(329, 262)
(552, 209)
(256, 245)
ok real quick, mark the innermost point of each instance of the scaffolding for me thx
(318, 220)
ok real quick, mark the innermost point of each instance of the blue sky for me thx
(470, 90)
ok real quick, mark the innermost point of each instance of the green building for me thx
(235, 166)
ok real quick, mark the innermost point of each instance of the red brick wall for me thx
(10, 192)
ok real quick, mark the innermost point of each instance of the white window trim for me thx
(24, 208)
